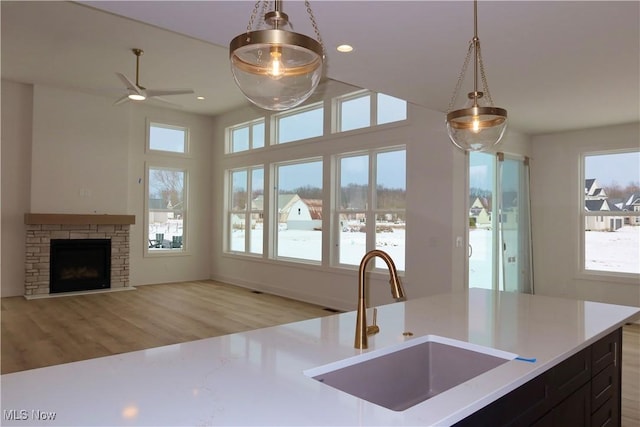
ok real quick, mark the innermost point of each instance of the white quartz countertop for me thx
(256, 378)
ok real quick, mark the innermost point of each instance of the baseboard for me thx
(69, 294)
(330, 303)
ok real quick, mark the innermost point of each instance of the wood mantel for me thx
(75, 219)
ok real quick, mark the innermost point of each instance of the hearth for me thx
(80, 265)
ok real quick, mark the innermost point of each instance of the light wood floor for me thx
(631, 376)
(52, 331)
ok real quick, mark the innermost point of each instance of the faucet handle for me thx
(373, 329)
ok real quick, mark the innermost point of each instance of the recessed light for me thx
(344, 48)
(200, 98)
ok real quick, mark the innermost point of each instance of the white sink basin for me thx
(401, 376)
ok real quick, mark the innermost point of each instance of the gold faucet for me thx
(362, 330)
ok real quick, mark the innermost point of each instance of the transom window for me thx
(302, 123)
(246, 136)
(168, 138)
(365, 109)
(611, 213)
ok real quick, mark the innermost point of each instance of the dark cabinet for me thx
(582, 391)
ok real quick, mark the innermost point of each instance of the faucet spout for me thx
(362, 330)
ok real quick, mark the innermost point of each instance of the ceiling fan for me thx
(136, 92)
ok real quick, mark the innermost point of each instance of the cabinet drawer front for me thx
(570, 375)
(603, 386)
(605, 416)
(518, 408)
(604, 352)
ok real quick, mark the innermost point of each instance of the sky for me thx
(620, 168)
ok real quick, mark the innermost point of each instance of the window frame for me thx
(274, 139)
(371, 211)
(250, 125)
(248, 211)
(582, 228)
(275, 214)
(173, 126)
(183, 250)
(338, 101)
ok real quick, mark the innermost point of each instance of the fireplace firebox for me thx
(80, 265)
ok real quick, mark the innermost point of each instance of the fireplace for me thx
(44, 228)
(80, 265)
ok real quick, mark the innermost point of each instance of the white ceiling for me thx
(554, 65)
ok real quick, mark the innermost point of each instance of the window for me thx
(246, 136)
(355, 113)
(245, 216)
(390, 109)
(299, 210)
(276, 211)
(365, 109)
(304, 123)
(611, 212)
(168, 138)
(166, 205)
(371, 205)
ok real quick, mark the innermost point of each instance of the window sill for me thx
(165, 253)
(604, 276)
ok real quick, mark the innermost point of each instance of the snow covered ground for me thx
(613, 251)
(605, 251)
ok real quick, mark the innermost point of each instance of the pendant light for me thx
(479, 125)
(275, 68)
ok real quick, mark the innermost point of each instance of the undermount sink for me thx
(401, 376)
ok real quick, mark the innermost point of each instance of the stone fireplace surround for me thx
(41, 228)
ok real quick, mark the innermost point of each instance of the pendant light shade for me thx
(479, 125)
(275, 68)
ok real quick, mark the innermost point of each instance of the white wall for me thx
(556, 189)
(79, 153)
(194, 264)
(69, 152)
(430, 197)
(17, 110)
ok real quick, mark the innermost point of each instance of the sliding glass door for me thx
(499, 223)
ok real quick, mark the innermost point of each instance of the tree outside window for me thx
(166, 207)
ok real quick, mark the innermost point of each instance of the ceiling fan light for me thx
(137, 97)
(274, 68)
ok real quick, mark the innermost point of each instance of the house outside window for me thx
(611, 213)
(167, 208)
(286, 217)
(298, 199)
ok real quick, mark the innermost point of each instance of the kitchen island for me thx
(257, 377)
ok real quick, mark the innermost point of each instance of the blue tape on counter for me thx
(526, 359)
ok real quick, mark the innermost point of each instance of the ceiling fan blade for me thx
(122, 100)
(156, 92)
(164, 101)
(129, 84)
